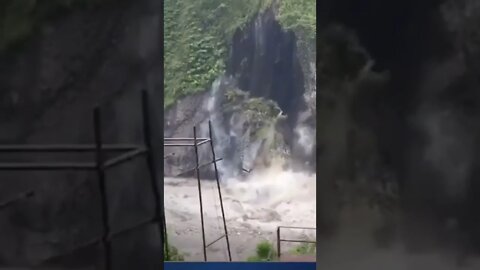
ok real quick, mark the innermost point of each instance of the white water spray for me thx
(254, 208)
(223, 137)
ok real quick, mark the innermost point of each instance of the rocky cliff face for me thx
(49, 88)
(266, 66)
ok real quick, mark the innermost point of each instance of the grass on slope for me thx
(198, 34)
(299, 16)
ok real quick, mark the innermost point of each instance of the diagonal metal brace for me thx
(218, 239)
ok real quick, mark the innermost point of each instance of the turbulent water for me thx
(254, 208)
(273, 186)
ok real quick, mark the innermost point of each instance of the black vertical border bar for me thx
(159, 210)
(102, 187)
(322, 8)
(219, 189)
(161, 122)
(197, 170)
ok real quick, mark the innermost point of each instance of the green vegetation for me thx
(262, 116)
(299, 16)
(304, 249)
(18, 18)
(261, 113)
(235, 96)
(173, 254)
(264, 253)
(198, 34)
(261, 110)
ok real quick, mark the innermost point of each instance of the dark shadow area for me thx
(264, 59)
(94, 55)
(423, 119)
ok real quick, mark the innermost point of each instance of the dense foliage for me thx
(299, 16)
(264, 253)
(173, 254)
(198, 35)
(196, 41)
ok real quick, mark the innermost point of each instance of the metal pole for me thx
(183, 139)
(102, 187)
(159, 210)
(59, 148)
(219, 190)
(47, 166)
(278, 242)
(124, 158)
(199, 191)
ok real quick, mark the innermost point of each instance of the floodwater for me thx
(254, 208)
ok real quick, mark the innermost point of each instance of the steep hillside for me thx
(198, 36)
(259, 51)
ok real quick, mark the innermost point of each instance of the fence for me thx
(101, 166)
(280, 240)
(195, 142)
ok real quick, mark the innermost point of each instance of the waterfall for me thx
(224, 137)
(231, 132)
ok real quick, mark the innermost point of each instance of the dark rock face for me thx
(179, 122)
(426, 119)
(264, 60)
(49, 88)
(267, 62)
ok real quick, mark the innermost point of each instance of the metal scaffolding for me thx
(280, 240)
(101, 165)
(195, 142)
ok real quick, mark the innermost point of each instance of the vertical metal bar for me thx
(102, 188)
(159, 210)
(219, 190)
(199, 191)
(164, 236)
(278, 242)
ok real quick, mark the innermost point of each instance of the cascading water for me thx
(233, 128)
(222, 137)
(231, 140)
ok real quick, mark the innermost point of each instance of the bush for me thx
(299, 16)
(173, 254)
(265, 253)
